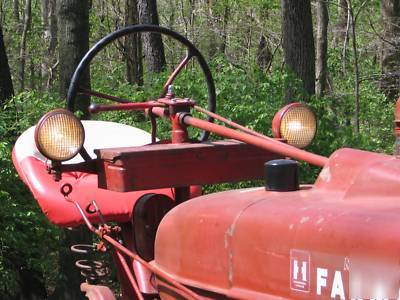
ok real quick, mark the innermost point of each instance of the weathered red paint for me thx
(179, 132)
(238, 243)
(177, 165)
(97, 292)
(85, 188)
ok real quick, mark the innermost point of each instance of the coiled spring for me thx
(94, 271)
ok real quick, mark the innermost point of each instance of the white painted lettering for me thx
(322, 274)
(337, 286)
(304, 271)
(295, 269)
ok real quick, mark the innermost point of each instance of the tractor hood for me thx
(311, 243)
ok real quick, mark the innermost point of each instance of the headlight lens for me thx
(59, 135)
(295, 123)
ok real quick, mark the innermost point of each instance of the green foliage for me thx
(248, 98)
(27, 240)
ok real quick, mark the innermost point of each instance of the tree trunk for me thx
(212, 44)
(45, 25)
(133, 46)
(353, 22)
(45, 15)
(51, 50)
(32, 74)
(153, 45)
(171, 17)
(6, 86)
(340, 28)
(224, 34)
(298, 43)
(16, 10)
(22, 49)
(73, 25)
(192, 19)
(390, 47)
(322, 47)
(264, 54)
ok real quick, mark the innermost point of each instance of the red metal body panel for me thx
(252, 244)
(115, 206)
(176, 165)
(97, 292)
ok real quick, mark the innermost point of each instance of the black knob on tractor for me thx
(281, 175)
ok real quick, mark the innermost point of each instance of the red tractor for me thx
(333, 239)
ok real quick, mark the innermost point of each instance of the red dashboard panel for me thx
(178, 165)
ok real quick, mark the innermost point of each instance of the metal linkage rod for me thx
(103, 96)
(184, 290)
(103, 231)
(229, 122)
(129, 275)
(175, 73)
(267, 144)
(96, 108)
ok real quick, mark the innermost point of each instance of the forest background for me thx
(339, 56)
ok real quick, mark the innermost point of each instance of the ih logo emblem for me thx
(299, 270)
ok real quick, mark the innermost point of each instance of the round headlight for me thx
(59, 135)
(296, 123)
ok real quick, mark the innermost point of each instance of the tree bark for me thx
(192, 19)
(6, 86)
(153, 45)
(212, 44)
(45, 14)
(171, 17)
(133, 46)
(340, 28)
(353, 20)
(51, 50)
(298, 43)
(390, 47)
(22, 49)
(16, 10)
(264, 54)
(224, 34)
(73, 24)
(322, 47)
(45, 25)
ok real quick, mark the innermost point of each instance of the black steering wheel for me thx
(192, 52)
